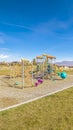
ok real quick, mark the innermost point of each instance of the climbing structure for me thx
(48, 63)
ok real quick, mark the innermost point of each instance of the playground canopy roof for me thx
(23, 59)
(39, 57)
(44, 55)
(50, 57)
(47, 56)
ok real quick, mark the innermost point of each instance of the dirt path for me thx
(10, 96)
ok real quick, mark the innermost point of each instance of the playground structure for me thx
(21, 74)
(25, 75)
(47, 65)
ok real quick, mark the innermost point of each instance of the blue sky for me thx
(32, 27)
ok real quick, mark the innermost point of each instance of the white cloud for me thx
(52, 26)
(64, 59)
(3, 56)
(46, 27)
(49, 26)
(19, 26)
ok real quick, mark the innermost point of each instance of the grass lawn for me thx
(53, 112)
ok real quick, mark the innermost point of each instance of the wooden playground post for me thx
(43, 67)
(23, 82)
(10, 71)
(32, 73)
(54, 66)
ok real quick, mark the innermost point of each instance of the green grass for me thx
(53, 112)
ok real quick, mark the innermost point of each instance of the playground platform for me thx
(10, 96)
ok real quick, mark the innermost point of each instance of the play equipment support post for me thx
(10, 70)
(43, 66)
(32, 73)
(23, 73)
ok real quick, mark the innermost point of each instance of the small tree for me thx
(34, 61)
